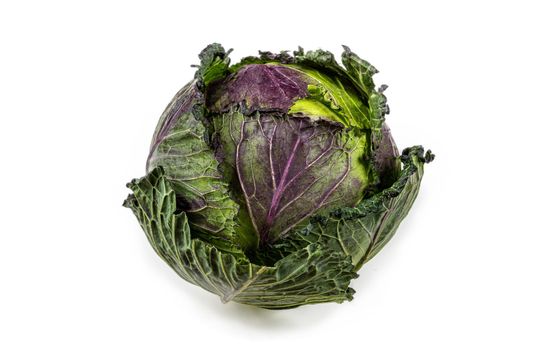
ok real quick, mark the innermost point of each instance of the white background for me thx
(83, 84)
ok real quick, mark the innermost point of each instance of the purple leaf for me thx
(258, 87)
(290, 168)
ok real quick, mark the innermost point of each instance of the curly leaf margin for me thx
(362, 231)
(310, 275)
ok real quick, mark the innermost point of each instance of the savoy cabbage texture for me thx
(272, 181)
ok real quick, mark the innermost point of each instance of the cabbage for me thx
(272, 181)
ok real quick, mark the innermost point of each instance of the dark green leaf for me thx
(214, 65)
(181, 148)
(312, 274)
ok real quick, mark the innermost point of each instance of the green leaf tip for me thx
(214, 64)
(419, 153)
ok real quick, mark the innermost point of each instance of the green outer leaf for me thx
(179, 146)
(312, 274)
(360, 70)
(361, 73)
(361, 232)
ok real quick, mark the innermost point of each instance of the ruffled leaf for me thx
(363, 230)
(361, 72)
(312, 274)
(180, 147)
(214, 65)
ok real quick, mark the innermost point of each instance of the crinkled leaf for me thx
(258, 87)
(289, 168)
(359, 70)
(362, 231)
(214, 65)
(312, 274)
(179, 146)
(338, 94)
(361, 73)
(183, 102)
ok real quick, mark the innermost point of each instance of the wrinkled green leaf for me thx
(361, 72)
(214, 65)
(180, 147)
(312, 274)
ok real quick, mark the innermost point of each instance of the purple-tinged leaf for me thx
(258, 87)
(289, 168)
(386, 158)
